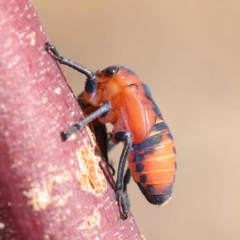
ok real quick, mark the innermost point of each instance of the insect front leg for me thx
(126, 180)
(91, 83)
(105, 108)
(126, 138)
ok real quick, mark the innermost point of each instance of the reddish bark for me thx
(49, 189)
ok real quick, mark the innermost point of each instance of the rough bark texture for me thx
(49, 189)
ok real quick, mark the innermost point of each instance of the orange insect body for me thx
(118, 96)
(131, 110)
(152, 160)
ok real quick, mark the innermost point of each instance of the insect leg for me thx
(91, 83)
(110, 145)
(110, 142)
(126, 180)
(52, 48)
(101, 135)
(105, 108)
(106, 153)
(49, 47)
(126, 137)
(111, 167)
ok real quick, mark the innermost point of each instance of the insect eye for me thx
(111, 71)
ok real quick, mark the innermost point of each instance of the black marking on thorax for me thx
(129, 71)
(149, 97)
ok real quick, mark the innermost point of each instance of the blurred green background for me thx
(188, 53)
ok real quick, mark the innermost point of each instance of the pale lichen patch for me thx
(91, 225)
(39, 165)
(60, 178)
(7, 43)
(68, 211)
(39, 198)
(90, 177)
(32, 37)
(61, 201)
(2, 225)
(44, 100)
(6, 133)
(92, 221)
(46, 237)
(73, 137)
(57, 90)
(40, 194)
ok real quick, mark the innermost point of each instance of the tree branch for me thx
(49, 189)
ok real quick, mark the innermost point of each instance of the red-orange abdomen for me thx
(153, 164)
